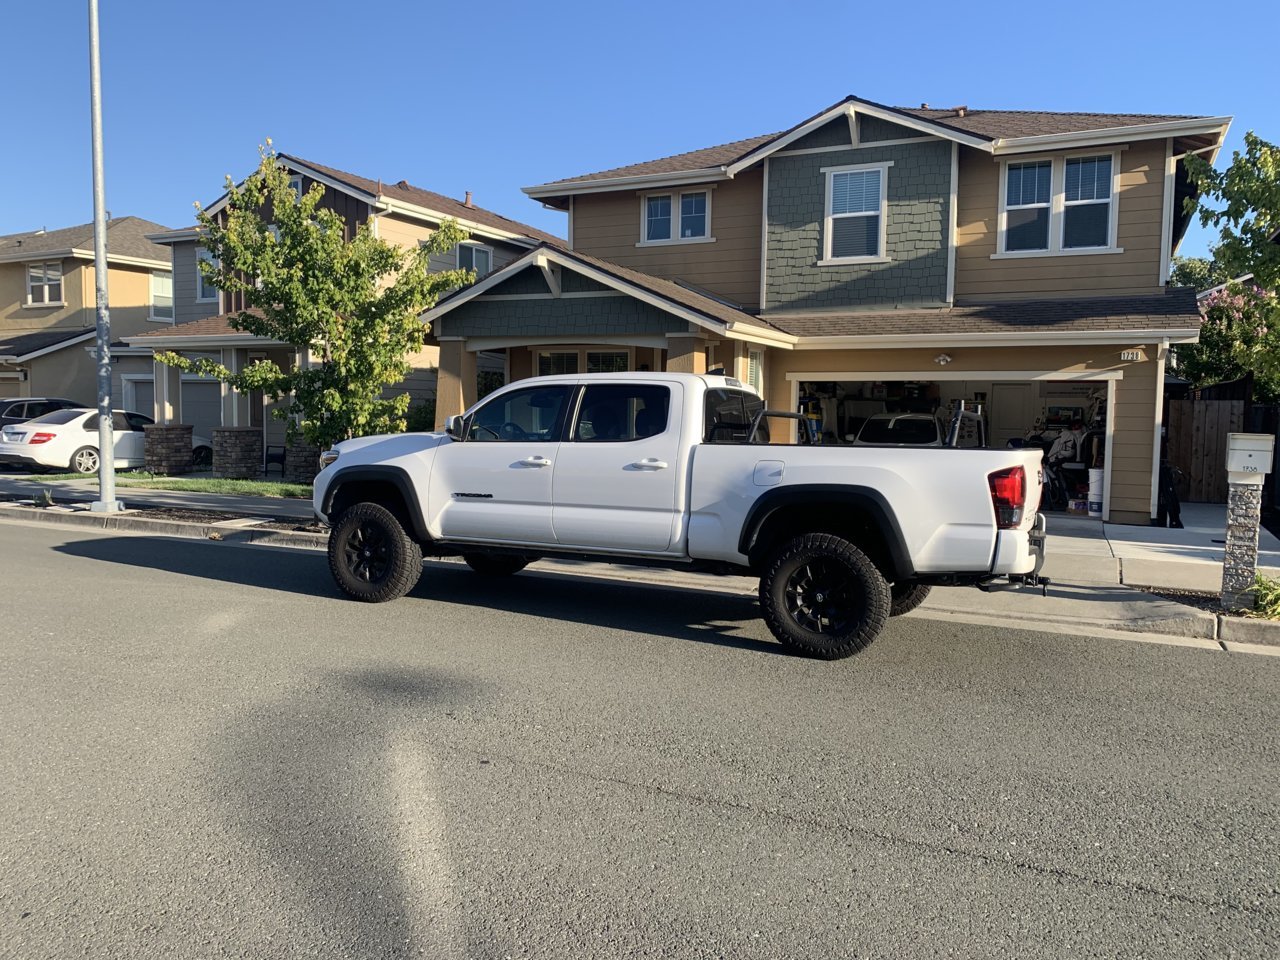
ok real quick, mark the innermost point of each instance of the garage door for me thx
(140, 396)
(202, 406)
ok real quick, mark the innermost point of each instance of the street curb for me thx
(163, 528)
(1196, 625)
(1249, 630)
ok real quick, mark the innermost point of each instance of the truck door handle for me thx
(535, 462)
(650, 463)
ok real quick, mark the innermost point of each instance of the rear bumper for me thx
(17, 460)
(1020, 551)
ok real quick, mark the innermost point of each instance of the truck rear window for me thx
(728, 417)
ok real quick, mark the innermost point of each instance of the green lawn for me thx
(244, 488)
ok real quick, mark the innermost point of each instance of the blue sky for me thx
(490, 98)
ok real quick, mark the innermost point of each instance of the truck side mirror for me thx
(454, 427)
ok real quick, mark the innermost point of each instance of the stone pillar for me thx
(301, 462)
(1240, 559)
(167, 448)
(237, 453)
(686, 355)
(455, 381)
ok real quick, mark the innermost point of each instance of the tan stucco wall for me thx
(607, 225)
(1135, 399)
(16, 317)
(1135, 271)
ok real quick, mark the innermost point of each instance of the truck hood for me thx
(386, 446)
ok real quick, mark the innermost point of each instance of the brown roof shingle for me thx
(219, 326)
(438, 202)
(985, 124)
(126, 237)
(1173, 310)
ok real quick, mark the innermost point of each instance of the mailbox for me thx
(1249, 456)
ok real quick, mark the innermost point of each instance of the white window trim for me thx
(475, 246)
(295, 184)
(675, 194)
(829, 173)
(45, 304)
(151, 299)
(1057, 208)
(202, 286)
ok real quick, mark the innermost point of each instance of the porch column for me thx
(686, 354)
(168, 390)
(455, 380)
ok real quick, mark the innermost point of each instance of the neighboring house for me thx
(399, 213)
(870, 259)
(48, 303)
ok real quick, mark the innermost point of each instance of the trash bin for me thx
(1095, 493)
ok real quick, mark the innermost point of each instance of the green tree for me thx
(1240, 335)
(1200, 273)
(1243, 202)
(353, 303)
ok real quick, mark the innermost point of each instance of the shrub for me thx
(1268, 594)
(421, 417)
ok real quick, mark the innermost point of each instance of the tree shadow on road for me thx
(680, 613)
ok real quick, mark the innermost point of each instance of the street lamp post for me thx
(106, 502)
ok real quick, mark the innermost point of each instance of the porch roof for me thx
(18, 348)
(209, 332)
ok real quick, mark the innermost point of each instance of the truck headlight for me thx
(328, 457)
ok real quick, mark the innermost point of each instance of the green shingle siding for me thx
(871, 129)
(574, 317)
(919, 189)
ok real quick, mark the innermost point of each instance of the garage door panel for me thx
(201, 406)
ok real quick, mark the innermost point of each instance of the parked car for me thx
(901, 430)
(671, 468)
(28, 408)
(68, 440)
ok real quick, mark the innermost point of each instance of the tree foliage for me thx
(351, 304)
(1199, 273)
(1243, 202)
(1240, 335)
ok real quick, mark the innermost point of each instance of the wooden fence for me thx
(1197, 438)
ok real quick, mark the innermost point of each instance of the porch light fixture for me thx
(942, 359)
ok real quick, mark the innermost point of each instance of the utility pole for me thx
(106, 502)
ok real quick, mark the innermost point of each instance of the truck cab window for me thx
(620, 413)
(535, 414)
(728, 417)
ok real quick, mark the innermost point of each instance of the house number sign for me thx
(1130, 354)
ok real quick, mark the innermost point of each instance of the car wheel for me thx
(202, 458)
(905, 597)
(371, 557)
(495, 564)
(822, 596)
(85, 460)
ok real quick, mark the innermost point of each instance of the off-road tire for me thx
(371, 557)
(905, 597)
(495, 564)
(81, 458)
(825, 623)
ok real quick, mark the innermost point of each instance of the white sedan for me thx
(68, 439)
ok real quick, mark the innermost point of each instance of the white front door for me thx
(496, 484)
(616, 475)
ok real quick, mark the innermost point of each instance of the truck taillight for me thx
(1008, 496)
(41, 437)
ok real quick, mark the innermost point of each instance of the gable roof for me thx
(126, 240)
(994, 131)
(412, 200)
(698, 308)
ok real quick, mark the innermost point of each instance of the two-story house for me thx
(48, 303)
(872, 259)
(201, 324)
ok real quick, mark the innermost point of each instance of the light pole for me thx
(106, 502)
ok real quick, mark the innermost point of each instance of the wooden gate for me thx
(1197, 437)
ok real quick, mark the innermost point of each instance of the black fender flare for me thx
(869, 501)
(398, 477)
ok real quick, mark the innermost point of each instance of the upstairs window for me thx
(854, 228)
(44, 283)
(1086, 213)
(205, 291)
(295, 184)
(474, 256)
(1027, 194)
(676, 217)
(1063, 205)
(162, 295)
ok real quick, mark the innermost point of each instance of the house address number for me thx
(1130, 355)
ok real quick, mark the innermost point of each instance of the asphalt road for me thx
(208, 753)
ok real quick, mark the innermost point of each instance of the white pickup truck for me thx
(678, 470)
